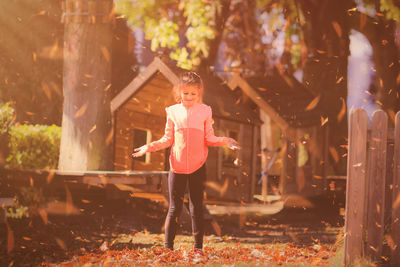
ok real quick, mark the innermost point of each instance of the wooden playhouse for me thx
(139, 117)
(292, 121)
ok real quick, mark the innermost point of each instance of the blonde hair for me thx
(189, 78)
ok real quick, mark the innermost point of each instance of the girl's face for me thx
(189, 95)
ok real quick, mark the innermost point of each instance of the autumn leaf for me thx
(337, 28)
(324, 120)
(396, 203)
(313, 103)
(53, 49)
(342, 111)
(81, 111)
(334, 154)
(50, 176)
(92, 129)
(61, 243)
(339, 80)
(107, 87)
(43, 215)
(110, 137)
(105, 53)
(10, 239)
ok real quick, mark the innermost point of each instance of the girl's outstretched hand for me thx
(140, 151)
(232, 144)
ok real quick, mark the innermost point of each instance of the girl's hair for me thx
(188, 78)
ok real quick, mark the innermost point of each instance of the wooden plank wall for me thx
(228, 181)
(355, 190)
(395, 223)
(369, 179)
(145, 110)
(376, 184)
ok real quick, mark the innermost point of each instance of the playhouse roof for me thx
(217, 94)
(282, 97)
(223, 101)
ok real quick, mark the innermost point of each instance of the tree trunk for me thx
(326, 36)
(86, 123)
(216, 42)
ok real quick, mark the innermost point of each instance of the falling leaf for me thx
(396, 203)
(110, 137)
(10, 239)
(34, 56)
(43, 215)
(107, 87)
(68, 207)
(313, 103)
(92, 129)
(106, 54)
(26, 238)
(334, 154)
(81, 111)
(324, 120)
(50, 176)
(390, 242)
(337, 28)
(53, 49)
(61, 243)
(262, 89)
(392, 114)
(342, 110)
(339, 80)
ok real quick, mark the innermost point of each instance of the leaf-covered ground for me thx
(127, 233)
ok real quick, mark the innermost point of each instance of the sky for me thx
(360, 74)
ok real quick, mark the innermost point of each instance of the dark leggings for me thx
(177, 185)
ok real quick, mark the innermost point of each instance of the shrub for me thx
(34, 146)
(7, 115)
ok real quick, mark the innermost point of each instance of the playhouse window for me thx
(140, 138)
(230, 157)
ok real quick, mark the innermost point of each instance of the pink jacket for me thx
(189, 131)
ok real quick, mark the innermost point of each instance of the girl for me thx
(189, 130)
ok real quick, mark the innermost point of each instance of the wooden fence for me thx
(373, 189)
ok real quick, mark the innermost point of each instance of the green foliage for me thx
(7, 115)
(284, 16)
(17, 212)
(165, 22)
(391, 10)
(28, 201)
(34, 146)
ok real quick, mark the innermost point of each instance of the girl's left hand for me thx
(232, 144)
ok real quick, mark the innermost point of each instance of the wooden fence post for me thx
(355, 191)
(395, 233)
(376, 185)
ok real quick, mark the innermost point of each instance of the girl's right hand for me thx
(232, 144)
(140, 151)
